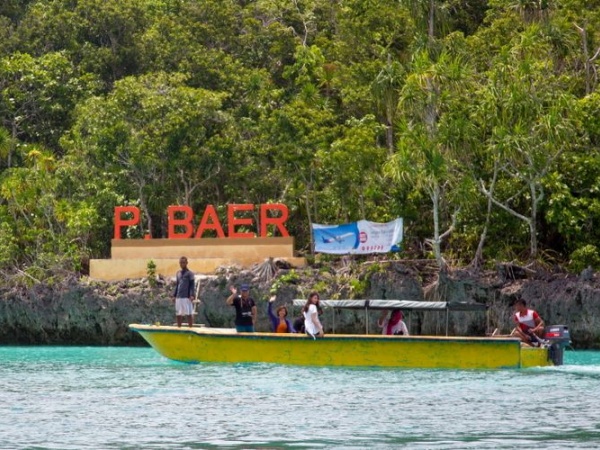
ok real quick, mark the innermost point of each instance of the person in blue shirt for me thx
(184, 293)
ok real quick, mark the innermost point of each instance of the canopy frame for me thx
(407, 305)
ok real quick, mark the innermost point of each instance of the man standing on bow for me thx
(245, 309)
(184, 293)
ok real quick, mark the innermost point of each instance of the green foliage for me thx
(151, 273)
(321, 287)
(358, 288)
(583, 257)
(14, 9)
(275, 286)
(9, 248)
(292, 277)
(150, 134)
(376, 267)
(341, 110)
(590, 106)
(38, 96)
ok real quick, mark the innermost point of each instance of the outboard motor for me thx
(559, 338)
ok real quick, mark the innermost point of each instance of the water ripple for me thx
(131, 398)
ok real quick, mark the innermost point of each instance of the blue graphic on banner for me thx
(338, 239)
(362, 237)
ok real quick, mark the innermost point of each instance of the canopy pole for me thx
(447, 314)
(333, 321)
(367, 319)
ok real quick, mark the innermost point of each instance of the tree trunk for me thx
(435, 198)
(532, 220)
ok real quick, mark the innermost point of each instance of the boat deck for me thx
(201, 330)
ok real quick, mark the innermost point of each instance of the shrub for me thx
(585, 256)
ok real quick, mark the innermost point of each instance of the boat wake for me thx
(591, 371)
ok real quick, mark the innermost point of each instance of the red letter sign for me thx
(186, 222)
(233, 221)
(279, 222)
(120, 222)
(214, 224)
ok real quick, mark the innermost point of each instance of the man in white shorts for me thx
(184, 293)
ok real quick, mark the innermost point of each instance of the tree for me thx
(51, 232)
(573, 201)
(156, 139)
(6, 146)
(351, 170)
(530, 126)
(429, 134)
(369, 50)
(386, 90)
(37, 97)
(299, 131)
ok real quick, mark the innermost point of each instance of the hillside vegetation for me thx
(478, 122)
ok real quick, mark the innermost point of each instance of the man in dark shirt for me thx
(184, 293)
(245, 309)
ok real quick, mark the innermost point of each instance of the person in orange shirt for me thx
(279, 322)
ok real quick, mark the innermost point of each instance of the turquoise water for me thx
(129, 398)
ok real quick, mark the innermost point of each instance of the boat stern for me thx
(535, 357)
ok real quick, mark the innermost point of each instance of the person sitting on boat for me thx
(393, 325)
(530, 326)
(245, 309)
(279, 322)
(310, 311)
(299, 324)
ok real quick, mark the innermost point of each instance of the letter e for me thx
(233, 221)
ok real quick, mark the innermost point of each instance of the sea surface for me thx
(133, 398)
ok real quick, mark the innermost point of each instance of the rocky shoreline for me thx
(86, 312)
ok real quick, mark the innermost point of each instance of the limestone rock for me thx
(94, 313)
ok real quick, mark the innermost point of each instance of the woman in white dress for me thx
(312, 324)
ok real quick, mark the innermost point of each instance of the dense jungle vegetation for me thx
(476, 121)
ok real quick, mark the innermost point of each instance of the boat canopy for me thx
(410, 305)
(406, 305)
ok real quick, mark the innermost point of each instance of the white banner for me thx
(360, 237)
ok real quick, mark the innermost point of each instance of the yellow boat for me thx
(198, 344)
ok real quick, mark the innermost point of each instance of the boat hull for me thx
(427, 352)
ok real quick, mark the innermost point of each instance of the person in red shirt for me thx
(530, 326)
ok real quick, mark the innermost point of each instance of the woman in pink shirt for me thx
(393, 325)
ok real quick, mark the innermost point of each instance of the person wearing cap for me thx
(184, 293)
(245, 309)
(393, 325)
